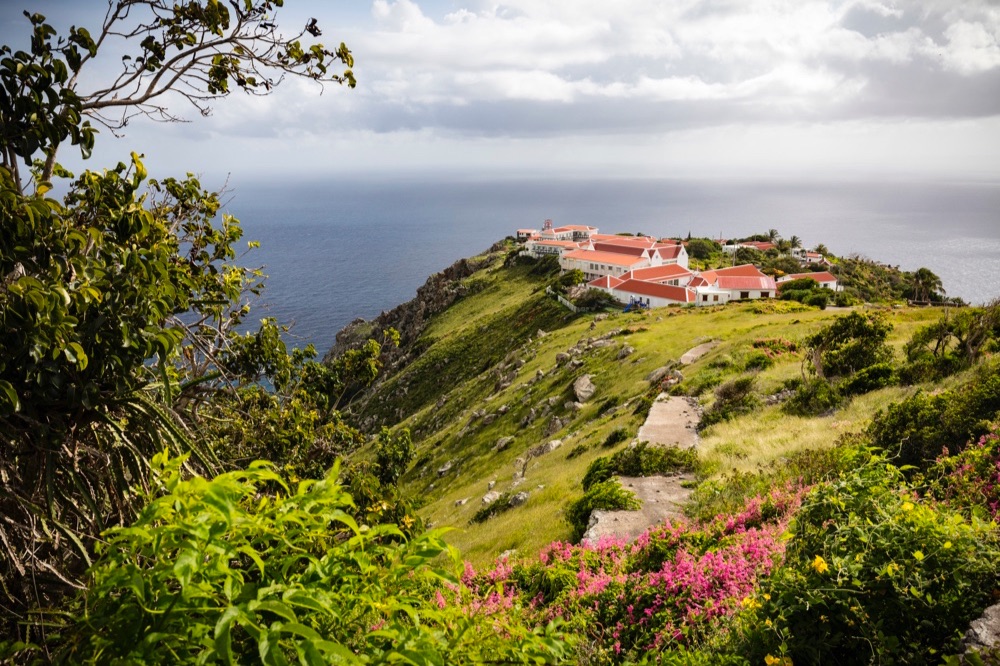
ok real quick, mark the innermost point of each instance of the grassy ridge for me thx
(484, 369)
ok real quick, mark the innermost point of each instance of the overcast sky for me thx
(748, 88)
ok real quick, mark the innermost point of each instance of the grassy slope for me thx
(472, 345)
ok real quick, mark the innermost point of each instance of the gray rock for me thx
(461, 502)
(555, 425)
(542, 449)
(657, 375)
(491, 497)
(984, 632)
(529, 418)
(562, 357)
(445, 468)
(503, 409)
(600, 317)
(503, 443)
(553, 401)
(599, 344)
(571, 406)
(489, 418)
(541, 333)
(625, 352)
(491, 485)
(584, 388)
(511, 552)
(519, 499)
(576, 363)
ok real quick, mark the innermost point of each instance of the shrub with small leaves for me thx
(607, 495)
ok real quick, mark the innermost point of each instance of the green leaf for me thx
(223, 635)
(10, 403)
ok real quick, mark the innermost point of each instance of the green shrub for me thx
(735, 397)
(917, 429)
(607, 496)
(851, 343)
(844, 299)
(608, 404)
(874, 575)
(577, 451)
(616, 436)
(869, 379)
(245, 568)
(640, 460)
(757, 360)
(595, 299)
(818, 299)
(813, 397)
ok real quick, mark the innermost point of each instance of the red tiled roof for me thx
(634, 241)
(739, 282)
(700, 281)
(659, 273)
(606, 282)
(743, 270)
(631, 250)
(763, 246)
(642, 288)
(670, 251)
(612, 258)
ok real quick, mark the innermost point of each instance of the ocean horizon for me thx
(336, 250)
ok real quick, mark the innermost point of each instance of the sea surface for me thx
(335, 250)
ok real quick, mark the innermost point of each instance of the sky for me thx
(591, 88)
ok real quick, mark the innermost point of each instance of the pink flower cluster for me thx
(658, 590)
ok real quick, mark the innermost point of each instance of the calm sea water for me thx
(337, 250)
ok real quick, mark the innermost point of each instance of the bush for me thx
(245, 568)
(813, 397)
(851, 343)
(869, 379)
(595, 299)
(616, 436)
(607, 496)
(735, 397)
(640, 460)
(608, 404)
(818, 299)
(757, 360)
(844, 299)
(874, 575)
(920, 427)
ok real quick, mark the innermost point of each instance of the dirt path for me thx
(671, 422)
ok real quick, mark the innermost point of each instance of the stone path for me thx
(692, 355)
(671, 422)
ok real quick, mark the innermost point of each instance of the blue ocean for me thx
(337, 249)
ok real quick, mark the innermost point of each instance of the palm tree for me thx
(795, 241)
(784, 245)
(772, 235)
(822, 249)
(925, 284)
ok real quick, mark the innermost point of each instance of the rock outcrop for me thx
(584, 388)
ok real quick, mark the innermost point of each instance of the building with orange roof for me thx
(595, 264)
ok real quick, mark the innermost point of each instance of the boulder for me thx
(562, 357)
(541, 333)
(491, 497)
(625, 352)
(445, 468)
(542, 449)
(984, 632)
(489, 418)
(571, 406)
(503, 409)
(657, 375)
(584, 388)
(503, 443)
(461, 502)
(491, 485)
(555, 425)
(576, 363)
(519, 499)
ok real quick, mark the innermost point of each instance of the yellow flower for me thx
(820, 565)
(947, 545)
(907, 506)
(767, 597)
(777, 661)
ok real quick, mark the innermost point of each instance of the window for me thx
(744, 294)
(704, 298)
(715, 297)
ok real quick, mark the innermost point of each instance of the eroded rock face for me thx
(584, 388)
